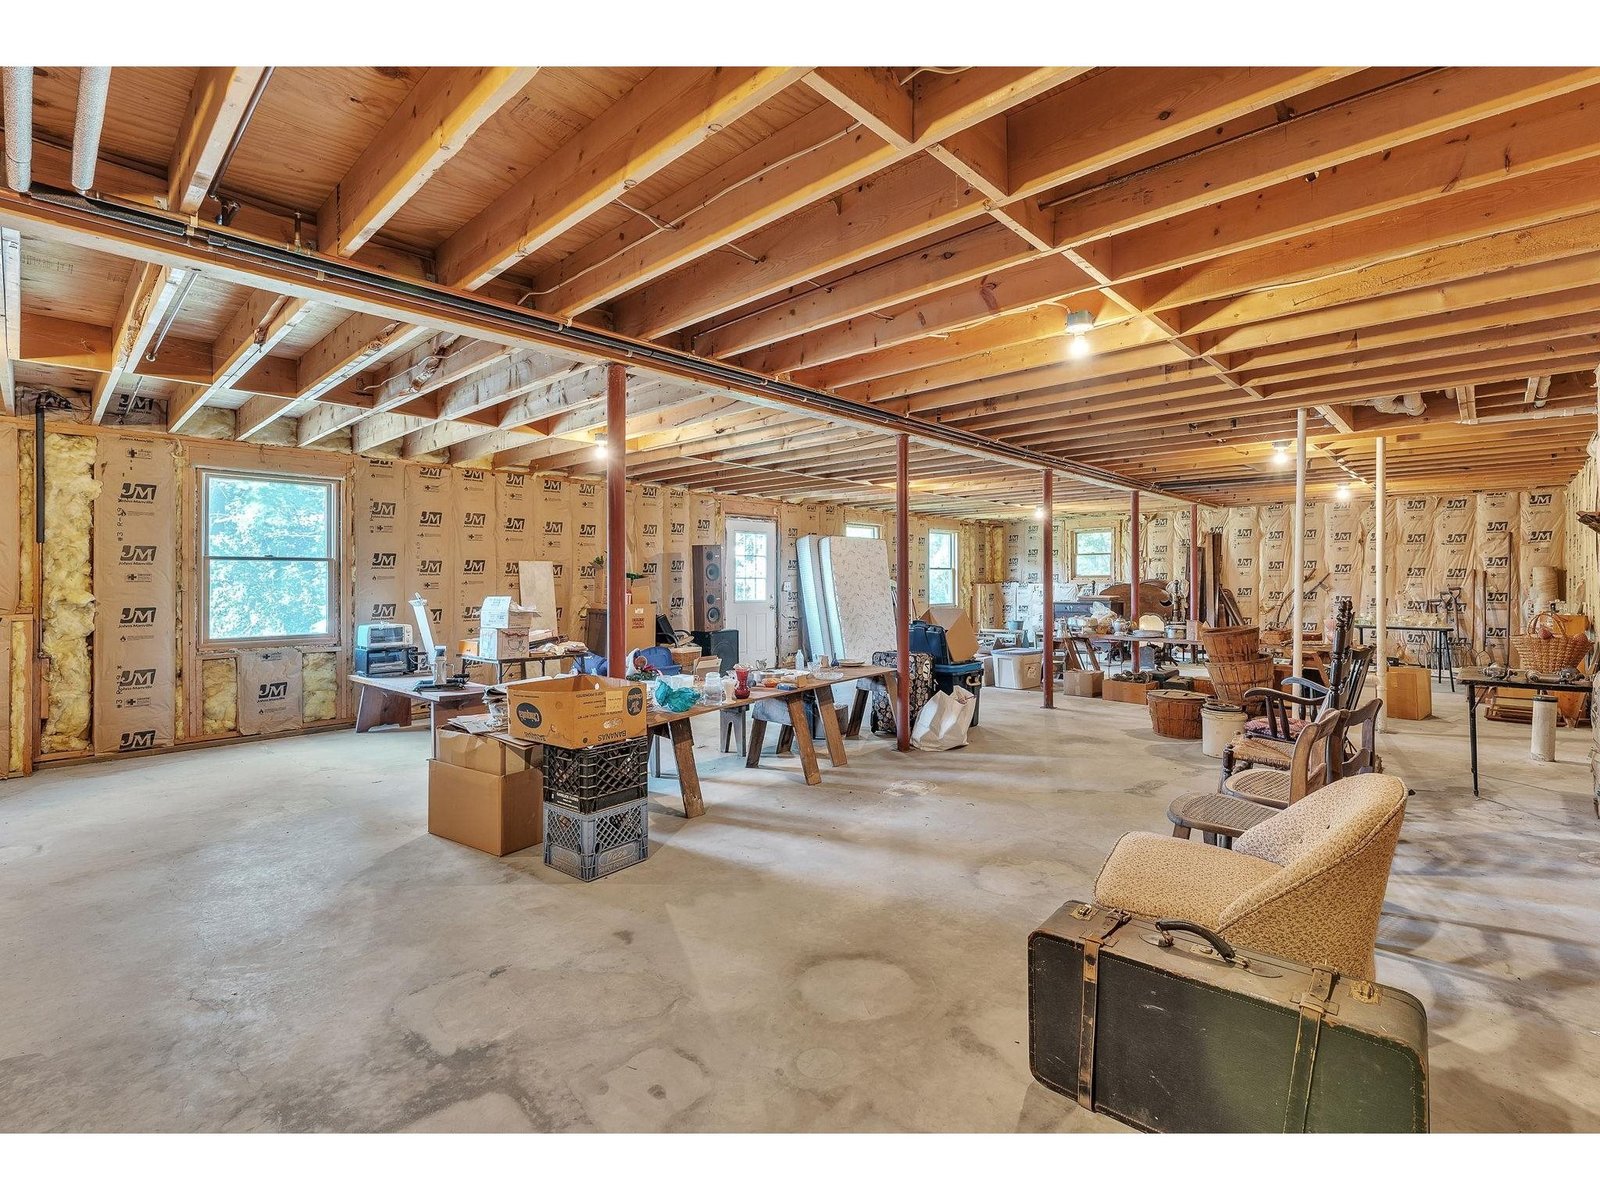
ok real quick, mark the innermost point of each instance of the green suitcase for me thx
(1165, 1027)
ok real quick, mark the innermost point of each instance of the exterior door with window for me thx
(753, 588)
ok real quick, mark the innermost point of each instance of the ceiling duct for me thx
(93, 85)
(1409, 405)
(18, 88)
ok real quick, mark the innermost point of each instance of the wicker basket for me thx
(685, 657)
(1547, 655)
(1231, 643)
(1175, 713)
(1233, 679)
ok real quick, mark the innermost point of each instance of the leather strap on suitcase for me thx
(1316, 1004)
(1095, 935)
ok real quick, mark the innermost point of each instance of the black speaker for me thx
(708, 588)
(724, 643)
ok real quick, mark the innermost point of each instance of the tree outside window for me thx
(750, 565)
(941, 567)
(1091, 554)
(268, 558)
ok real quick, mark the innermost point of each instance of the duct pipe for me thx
(18, 90)
(1381, 567)
(93, 85)
(1048, 578)
(1298, 642)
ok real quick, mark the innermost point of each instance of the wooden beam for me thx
(670, 112)
(443, 111)
(873, 96)
(260, 323)
(10, 316)
(1104, 119)
(217, 105)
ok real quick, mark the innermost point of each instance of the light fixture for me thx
(600, 452)
(1080, 321)
(1038, 514)
(1280, 453)
(1078, 346)
(1343, 492)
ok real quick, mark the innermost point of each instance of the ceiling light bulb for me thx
(600, 451)
(1038, 514)
(1079, 346)
(1344, 492)
(1280, 455)
(1080, 321)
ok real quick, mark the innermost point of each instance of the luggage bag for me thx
(1164, 1026)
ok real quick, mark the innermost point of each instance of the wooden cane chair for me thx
(1266, 740)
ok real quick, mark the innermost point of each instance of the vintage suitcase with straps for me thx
(1166, 1027)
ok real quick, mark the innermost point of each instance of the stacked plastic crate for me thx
(596, 815)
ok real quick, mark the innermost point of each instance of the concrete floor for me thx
(264, 937)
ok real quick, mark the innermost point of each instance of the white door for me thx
(753, 588)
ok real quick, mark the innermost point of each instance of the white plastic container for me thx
(1019, 670)
(1219, 725)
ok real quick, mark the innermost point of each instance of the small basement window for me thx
(1091, 554)
(268, 558)
(866, 531)
(941, 566)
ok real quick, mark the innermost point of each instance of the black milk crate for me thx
(589, 845)
(597, 777)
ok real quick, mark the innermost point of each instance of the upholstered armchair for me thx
(1306, 884)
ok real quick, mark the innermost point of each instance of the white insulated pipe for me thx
(1380, 592)
(18, 89)
(1298, 641)
(94, 83)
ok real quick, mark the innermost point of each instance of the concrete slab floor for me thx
(264, 937)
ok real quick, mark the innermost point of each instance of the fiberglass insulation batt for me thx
(70, 491)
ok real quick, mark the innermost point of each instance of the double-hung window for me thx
(1091, 554)
(862, 530)
(269, 562)
(941, 566)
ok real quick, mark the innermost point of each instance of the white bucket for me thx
(1219, 725)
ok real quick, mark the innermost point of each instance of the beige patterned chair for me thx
(1306, 884)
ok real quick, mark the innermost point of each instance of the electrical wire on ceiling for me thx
(665, 226)
(934, 71)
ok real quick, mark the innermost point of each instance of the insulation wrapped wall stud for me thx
(70, 491)
(219, 691)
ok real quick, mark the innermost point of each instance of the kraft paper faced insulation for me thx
(12, 535)
(1495, 553)
(472, 506)
(554, 537)
(70, 491)
(135, 554)
(319, 683)
(514, 519)
(26, 590)
(585, 582)
(1239, 559)
(9, 698)
(377, 502)
(1540, 549)
(219, 693)
(269, 691)
(429, 547)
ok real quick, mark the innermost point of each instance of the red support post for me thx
(902, 588)
(1048, 578)
(616, 520)
(1133, 569)
(1194, 563)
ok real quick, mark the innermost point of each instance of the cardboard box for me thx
(576, 710)
(1410, 693)
(958, 632)
(1082, 683)
(498, 814)
(485, 754)
(536, 583)
(641, 619)
(502, 643)
(1123, 692)
(501, 612)
(1018, 670)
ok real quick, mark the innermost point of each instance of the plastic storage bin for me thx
(1018, 670)
(597, 777)
(590, 845)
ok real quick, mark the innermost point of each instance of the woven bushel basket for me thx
(1547, 655)
(1174, 713)
(1233, 679)
(1231, 643)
